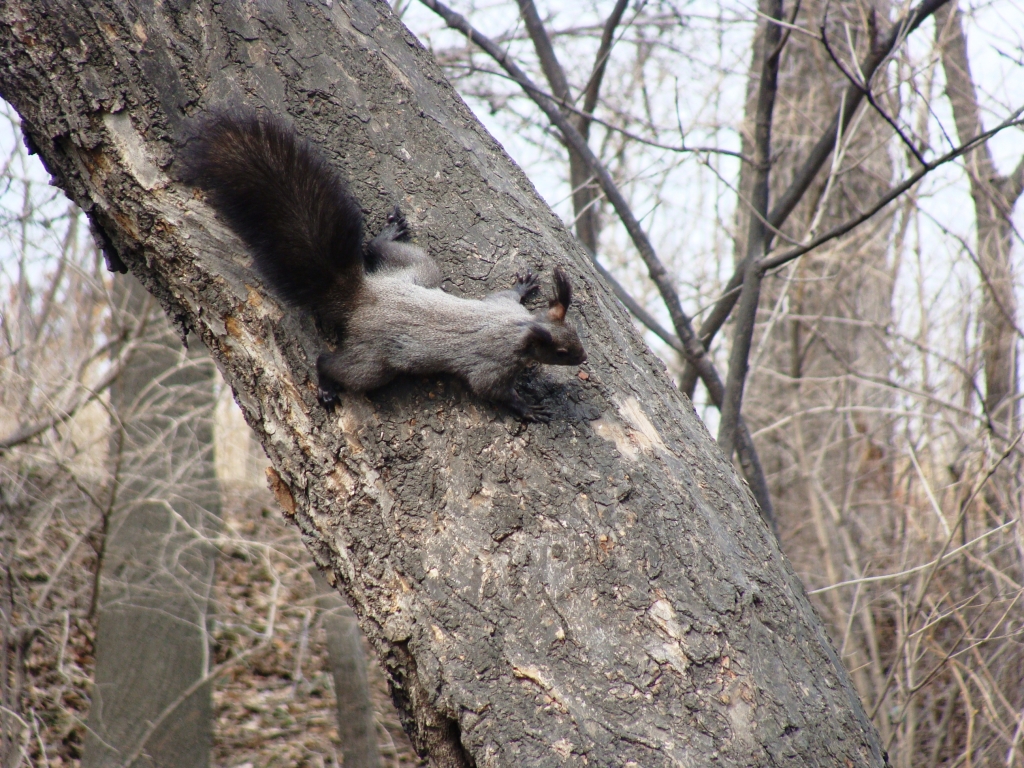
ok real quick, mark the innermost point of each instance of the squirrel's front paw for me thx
(526, 284)
(537, 413)
(529, 412)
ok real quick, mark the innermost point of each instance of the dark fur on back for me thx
(290, 207)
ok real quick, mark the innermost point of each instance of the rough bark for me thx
(156, 572)
(599, 589)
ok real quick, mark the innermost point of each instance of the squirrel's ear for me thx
(538, 335)
(563, 296)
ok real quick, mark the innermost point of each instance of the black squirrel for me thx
(304, 229)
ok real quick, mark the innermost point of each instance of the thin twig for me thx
(916, 569)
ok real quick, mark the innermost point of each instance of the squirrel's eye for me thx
(563, 351)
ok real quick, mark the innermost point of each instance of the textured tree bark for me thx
(149, 704)
(596, 590)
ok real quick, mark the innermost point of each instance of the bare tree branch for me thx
(590, 117)
(593, 86)
(774, 262)
(553, 70)
(865, 89)
(758, 235)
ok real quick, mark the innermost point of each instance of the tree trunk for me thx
(150, 706)
(826, 426)
(596, 590)
(994, 197)
(357, 725)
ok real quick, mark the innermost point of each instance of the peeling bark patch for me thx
(664, 616)
(670, 654)
(281, 493)
(133, 150)
(341, 482)
(233, 327)
(640, 437)
(253, 298)
(612, 431)
(645, 435)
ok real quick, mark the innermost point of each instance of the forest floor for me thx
(278, 707)
(273, 696)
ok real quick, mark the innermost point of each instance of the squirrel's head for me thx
(550, 339)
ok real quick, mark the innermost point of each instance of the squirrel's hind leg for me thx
(328, 388)
(340, 371)
(390, 251)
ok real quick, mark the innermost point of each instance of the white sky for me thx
(686, 202)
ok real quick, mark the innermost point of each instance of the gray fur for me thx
(402, 323)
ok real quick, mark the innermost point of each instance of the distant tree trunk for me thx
(823, 322)
(357, 728)
(598, 590)
(994, 198)
(829, 315)
(152, 646)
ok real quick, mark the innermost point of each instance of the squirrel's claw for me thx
(395, 227)
(327, 395)
(526, 284)
(398, 225)
(529, 412)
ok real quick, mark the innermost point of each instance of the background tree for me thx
(151, 698)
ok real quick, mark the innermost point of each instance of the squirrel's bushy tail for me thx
(290, 207)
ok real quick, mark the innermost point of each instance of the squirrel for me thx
(304, 229)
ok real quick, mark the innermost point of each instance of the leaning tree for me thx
(599, 589)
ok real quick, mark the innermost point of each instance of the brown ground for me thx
(277, 708)
(274, 703)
